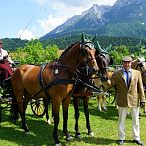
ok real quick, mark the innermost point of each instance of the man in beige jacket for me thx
(129, 94)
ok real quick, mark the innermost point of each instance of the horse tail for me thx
(14, 109)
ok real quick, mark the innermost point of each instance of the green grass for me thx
(104, 125)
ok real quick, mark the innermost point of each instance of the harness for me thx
(44, 87)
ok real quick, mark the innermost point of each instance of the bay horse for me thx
(83, 86)
(81, 90)
(140, 65)
(54, 81)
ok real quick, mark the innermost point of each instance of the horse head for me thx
(103, 59)
(80, 53)
(140, 65)
(88, 63)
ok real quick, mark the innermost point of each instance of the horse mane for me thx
(134, 63)
(67, 49)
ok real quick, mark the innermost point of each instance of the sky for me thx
(32, 19)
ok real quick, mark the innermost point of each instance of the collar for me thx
(124, 70)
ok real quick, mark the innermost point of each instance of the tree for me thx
(34, 53)
(118, 52)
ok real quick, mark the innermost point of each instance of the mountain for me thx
(124, 18)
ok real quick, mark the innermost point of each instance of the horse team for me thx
(71, 75)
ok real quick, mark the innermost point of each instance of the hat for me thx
(1, 42)
(127, 58)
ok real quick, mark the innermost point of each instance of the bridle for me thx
(90, 45)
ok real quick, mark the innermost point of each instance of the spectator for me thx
(129, 92)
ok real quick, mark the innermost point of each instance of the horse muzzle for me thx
(92, 71)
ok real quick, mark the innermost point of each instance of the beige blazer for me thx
(128, 97)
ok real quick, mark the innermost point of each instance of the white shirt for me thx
(4, 53)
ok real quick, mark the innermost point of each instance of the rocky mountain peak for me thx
(122, 3)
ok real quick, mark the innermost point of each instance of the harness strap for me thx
(59, 81)
(41, 81)
(51, 84)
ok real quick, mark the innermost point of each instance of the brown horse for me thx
(141, 66)
(84, 84)
(82, 90)
(54, 81)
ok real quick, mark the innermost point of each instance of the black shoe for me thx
(121, 142)
(138, 142)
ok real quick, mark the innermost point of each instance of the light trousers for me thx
(135, 122)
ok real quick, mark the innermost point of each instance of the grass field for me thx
(104, 125)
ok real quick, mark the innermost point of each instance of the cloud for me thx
(58, 11)
(50, 23)
(60, 15)
(26, 34)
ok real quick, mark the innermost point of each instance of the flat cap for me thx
(127, 59)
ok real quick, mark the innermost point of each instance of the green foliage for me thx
(34, 53)
(38, 51)
(118, 52)
(11, 44)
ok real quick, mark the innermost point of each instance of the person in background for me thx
(5, 62)
(129, 95)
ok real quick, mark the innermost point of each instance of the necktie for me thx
(127, 79)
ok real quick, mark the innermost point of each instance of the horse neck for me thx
(71, 59)
(134, 64)
(102, 64)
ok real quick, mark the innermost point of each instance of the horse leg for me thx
(14, 110)
(76, 110)
(65, 105)
(47, 106)
(56, 110)
(98, 97)
(104, 103)
(22, 110)
(86, 111)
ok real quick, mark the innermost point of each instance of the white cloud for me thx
(62, 13)
(60, 10)
(50, 23)
(26, 34)
(65, 11)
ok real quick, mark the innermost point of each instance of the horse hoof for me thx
(99, 109)
(58, 144)
(49, 122)
(78, 136)
(26, 133)
(91, 134)
(69, 138)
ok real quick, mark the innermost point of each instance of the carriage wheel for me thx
(37, 107)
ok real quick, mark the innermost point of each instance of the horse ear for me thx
(109, 47)
(93, 39)
(83, 37)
